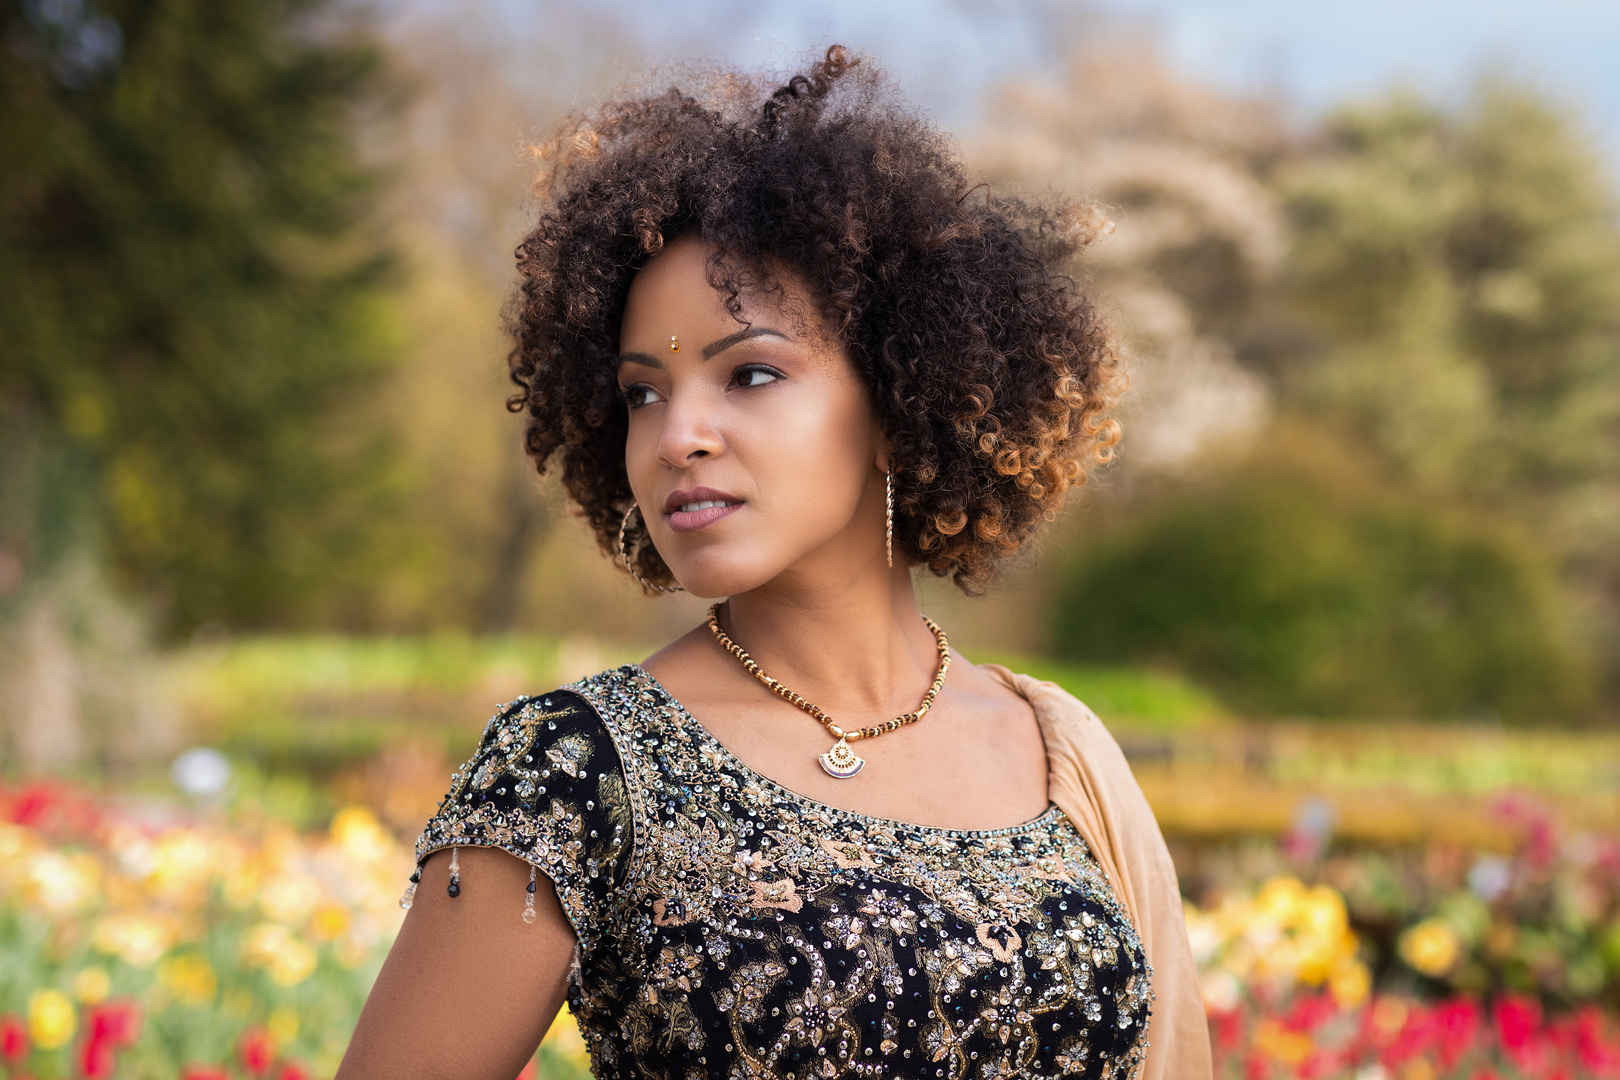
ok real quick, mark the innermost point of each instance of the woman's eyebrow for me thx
(715, 348)
(641, 358)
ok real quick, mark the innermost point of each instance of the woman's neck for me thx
(856, 647)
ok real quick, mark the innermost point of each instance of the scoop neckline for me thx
(704, 735)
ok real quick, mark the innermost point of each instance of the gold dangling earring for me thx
(624, 556)
(888, 516)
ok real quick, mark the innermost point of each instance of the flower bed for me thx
(151, 944)
(142, 941)
(1433, 963)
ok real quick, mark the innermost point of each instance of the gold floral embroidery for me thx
(667, 912)
(782, 894)
(729, 927)
(848, 856)
(1002, 941)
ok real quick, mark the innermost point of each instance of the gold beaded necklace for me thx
(840, 761)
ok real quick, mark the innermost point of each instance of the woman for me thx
(785, 352)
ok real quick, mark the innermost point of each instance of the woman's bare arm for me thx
(469, 988)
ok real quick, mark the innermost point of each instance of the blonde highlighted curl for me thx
(990, 370)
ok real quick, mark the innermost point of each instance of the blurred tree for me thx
(1440, 286)
(1300, 584)
(1199, 232)
(192, 295)
(1458, 272)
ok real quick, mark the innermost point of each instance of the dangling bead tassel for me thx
(410, 891)
(528, 899)
(455, 873)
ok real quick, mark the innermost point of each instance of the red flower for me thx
(116, 1023)
(1456, 1025)
(204, 1072)
(1599, 1055)
(257, 1050)
(1517, 1019)
(1227, 1033)
(1310, 1013)
(96, 1060)
(13, 1039)
(531, 1071)
(108, 1028)
(291, 1070)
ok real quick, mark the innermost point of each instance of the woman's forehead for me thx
(674, 285)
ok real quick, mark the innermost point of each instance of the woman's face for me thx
(753, 450)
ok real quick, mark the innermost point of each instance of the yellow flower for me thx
(1276, 1041)
(1350, 984)
(329, 922)
(137, 937)
(183, 863)
(1418, 1069)
(189, 978)
(51, 1020)
(60, 883)
(1431, 947)
(283, 1026)
(271, 945)
(92, 985)
(16, 843)
(289, 897)
(358, 832)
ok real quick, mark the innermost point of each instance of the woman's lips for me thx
(711, 511)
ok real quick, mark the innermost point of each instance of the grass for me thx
(382, 720)
(1125, 697)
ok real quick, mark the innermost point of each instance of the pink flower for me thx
(1516, 1020)
(96, 1060)
(1456, 1025)
(257, 1051)
(292, 1070)
(204, 1072)
(1599, 1055)
(1310, 1013)
(13, 1039)
(116, 1023)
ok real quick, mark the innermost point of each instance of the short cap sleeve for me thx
(547, 786)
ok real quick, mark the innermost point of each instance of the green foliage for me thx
(1288, 596)
(1123, 696)
(191, 288)
(312, 704)
(1461, 273)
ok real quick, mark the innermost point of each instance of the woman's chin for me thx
(713, 578)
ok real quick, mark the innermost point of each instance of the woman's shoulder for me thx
(547, 785)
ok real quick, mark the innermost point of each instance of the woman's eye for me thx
(639, 394)
(755, 375)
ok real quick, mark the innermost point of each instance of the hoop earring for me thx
(888, 516)
(630, 567)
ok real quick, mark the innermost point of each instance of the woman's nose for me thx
(690, 432)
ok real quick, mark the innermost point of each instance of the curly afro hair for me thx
(990, 370)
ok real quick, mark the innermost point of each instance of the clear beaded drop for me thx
(455, 872)
(409, 895)
(528, 899)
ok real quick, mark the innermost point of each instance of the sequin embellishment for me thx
(729, 927)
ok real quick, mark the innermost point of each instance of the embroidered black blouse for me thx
(730, 927)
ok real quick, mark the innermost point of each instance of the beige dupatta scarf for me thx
(1089, 780)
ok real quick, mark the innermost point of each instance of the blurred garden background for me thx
(1350, 599)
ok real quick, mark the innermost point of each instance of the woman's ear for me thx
(885, 454)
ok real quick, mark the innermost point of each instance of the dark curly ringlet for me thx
(990, 369)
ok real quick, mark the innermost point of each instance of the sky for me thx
(1307, 54)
